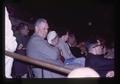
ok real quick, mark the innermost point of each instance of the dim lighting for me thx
(90, 23)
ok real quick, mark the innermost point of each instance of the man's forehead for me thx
(43, 24)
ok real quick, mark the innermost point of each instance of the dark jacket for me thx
(20, 68)
(100, 64)
(76, 52)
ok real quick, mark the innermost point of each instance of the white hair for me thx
(39, 21)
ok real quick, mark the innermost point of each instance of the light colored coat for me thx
(10, 45)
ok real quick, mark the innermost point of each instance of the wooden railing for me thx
(39, 63)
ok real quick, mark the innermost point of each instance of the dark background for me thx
(71, 14)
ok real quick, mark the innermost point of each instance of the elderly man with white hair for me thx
(39, 48)
(10, 45)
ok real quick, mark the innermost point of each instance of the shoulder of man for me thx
(34, 38)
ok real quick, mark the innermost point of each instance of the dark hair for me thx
(39, 21)
(62, 32)
(21, 26)
(71, 34)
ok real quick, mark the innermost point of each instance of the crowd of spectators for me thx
(60, 47)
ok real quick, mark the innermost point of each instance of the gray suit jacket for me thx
(39, 48)
(67, 54)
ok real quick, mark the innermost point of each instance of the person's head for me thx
(83, 73)
(101, 41)
(52, 38)
(23, 29)
(81, 44)
(72, 39)
(96, 49)
(41, 27)
(63, 34)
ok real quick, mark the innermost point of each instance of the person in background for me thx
(110, 51)
(53, 40)
(63, 47)
(96, 60)
(109, 48)
(83, 48)
(20, 69)
(62, 44)
(22, 38)
(10, 45)
(39, 48)
(72, 42)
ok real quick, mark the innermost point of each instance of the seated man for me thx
(38, 48)
(63, 47)
(96, 60)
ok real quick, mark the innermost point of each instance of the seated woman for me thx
(60, 43)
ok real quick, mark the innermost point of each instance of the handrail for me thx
(40, 63)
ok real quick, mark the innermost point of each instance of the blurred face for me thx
(65, 37)
(43, 29)
(55, 41)
(71, 40)
(25, 31)
(98, 50)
